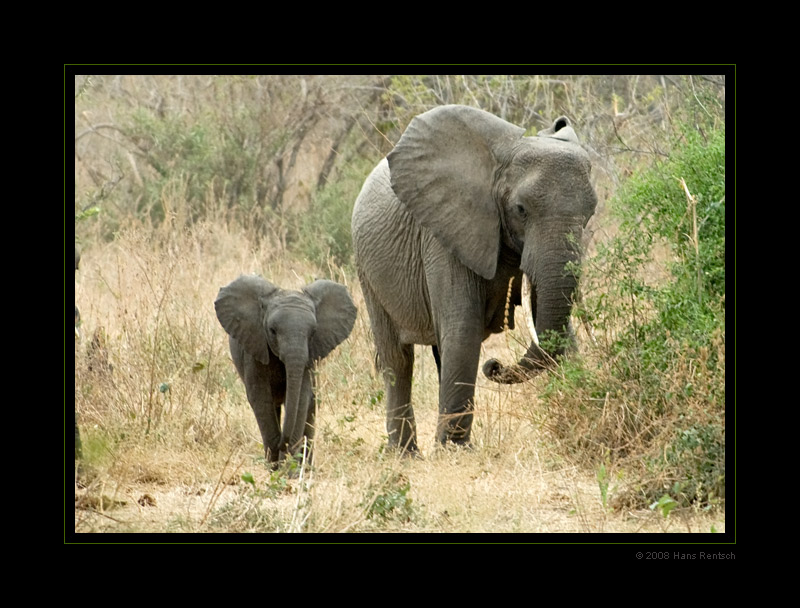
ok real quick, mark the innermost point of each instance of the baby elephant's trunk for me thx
(298, 401)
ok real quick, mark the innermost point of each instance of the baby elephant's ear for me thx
(240, 309)
(336, 315)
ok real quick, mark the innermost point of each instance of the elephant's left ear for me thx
(443, 170)
(240, 310)
(336, 315)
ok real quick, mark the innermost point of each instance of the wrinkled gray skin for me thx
(78, 451)
(463, 204)
(276, 337)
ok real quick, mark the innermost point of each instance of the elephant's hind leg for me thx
(396, 362)
(400, 423)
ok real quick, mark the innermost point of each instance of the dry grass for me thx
(169, 437)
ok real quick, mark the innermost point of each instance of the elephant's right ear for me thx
(443, 171)
(336, 315)
(240, 310)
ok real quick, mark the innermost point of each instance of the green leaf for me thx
(87, 213)
(666, 503)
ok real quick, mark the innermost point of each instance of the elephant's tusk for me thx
(526, 307)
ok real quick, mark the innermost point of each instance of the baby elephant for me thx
(276, 337)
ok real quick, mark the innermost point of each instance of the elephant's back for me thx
(384, 233)
(375, 207)
(387, 245)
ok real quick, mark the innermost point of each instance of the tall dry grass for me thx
(171, 445)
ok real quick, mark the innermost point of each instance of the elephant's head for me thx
(484, 190)
(298, 327)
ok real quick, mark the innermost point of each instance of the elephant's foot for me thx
(288, 465)
(292, 461)
(402, 432)
(272, 456)
(409, 453)
(406, 449)
(455, 429)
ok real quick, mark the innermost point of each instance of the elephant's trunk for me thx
(550, 301)
(298, 398)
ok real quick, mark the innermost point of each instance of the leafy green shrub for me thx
(210, 158)
(389, 499)
(651, 386)
(191, 147)
(323, 233)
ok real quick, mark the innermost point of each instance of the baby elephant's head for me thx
(290, 321)
(295, 326)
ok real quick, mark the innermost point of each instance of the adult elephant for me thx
(463, 204)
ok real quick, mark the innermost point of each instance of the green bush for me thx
(211, 147)
(213, 158)
(323, 233)
(651, 387)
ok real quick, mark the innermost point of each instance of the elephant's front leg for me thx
(460, 353)
(258, 383)
(396, 362)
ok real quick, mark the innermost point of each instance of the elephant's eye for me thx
(272, 332)
(521, 211)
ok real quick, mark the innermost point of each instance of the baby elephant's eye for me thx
(272, 332)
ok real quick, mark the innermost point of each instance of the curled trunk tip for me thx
(535, 359)
(514, 374)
